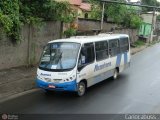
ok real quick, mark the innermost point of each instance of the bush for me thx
(70, 32)
(15, 13)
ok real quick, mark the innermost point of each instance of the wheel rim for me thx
(115, 74)
(81, 89)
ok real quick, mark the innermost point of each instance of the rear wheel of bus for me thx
(81, 89)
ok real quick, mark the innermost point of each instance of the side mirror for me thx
(82, 63)
(81, 67)
(83, 60)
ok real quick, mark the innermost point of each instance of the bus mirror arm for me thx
(110, 51)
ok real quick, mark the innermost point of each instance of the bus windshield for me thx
(59, 56)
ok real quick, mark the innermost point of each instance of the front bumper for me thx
(67, 86)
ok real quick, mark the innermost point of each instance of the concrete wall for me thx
(88, 25)
(147, 18)
(131, 32)
(28, 51)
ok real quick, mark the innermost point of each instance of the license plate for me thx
(51, 86)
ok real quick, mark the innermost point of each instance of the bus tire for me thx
(81, 89)
(115, 75)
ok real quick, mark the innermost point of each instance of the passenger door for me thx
(86, 62)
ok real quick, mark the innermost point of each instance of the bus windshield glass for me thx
(59, 56)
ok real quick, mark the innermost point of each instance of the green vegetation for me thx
(15, 13)
(9, 18)
(124, 15)
(96, 9)
(139, 43)
(70, 32)
(150, 3)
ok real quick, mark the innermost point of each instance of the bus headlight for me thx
(47, 79)
(57, 80)
(38, 77)
(70, 78)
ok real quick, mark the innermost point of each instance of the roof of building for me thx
(85, 6)
(79, 3)
(75, 2)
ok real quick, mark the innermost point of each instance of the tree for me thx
(124, 15)
(150, 3)
(95, 12)
(9, 18)
(38, 10)
(116, 12)
(14, 13)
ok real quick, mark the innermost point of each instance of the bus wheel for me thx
(81, 89)
(115, 75)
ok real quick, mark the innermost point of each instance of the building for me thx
(81, 8)
(148, 20)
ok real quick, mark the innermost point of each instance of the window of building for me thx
(86, 15)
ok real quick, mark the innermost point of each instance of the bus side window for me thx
(101, 50)
(114, 48)
(124, 44)
(87, 55)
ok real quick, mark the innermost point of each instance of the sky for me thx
(137, 0)
(134, 0)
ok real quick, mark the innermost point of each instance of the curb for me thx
(18, 95)
(134, 51)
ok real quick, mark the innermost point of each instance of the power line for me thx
(139, 5)
(147, 6)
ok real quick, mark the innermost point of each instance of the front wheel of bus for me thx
(81, 89)
(115, 75)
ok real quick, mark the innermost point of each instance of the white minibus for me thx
(76, 63)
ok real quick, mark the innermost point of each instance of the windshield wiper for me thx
(55, 60)
(60, 59)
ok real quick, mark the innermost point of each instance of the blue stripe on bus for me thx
(125, 58)
(118, 61)
(66, 86)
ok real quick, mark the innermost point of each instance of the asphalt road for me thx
(137, 90)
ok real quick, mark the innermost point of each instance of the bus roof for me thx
(87, 39)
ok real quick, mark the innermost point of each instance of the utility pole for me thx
(124, 3)
(102, 19)
(153, 25)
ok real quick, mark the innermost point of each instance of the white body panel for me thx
(93, 72)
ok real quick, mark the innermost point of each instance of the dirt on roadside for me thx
(16, 80)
